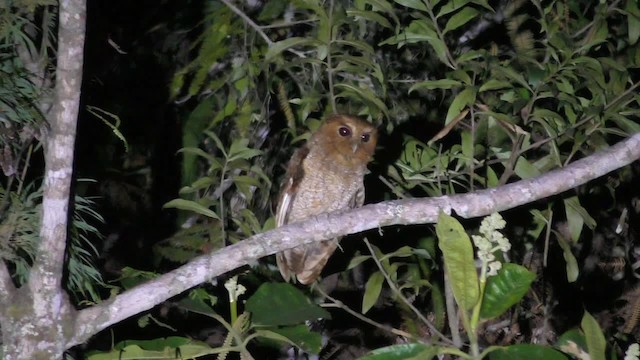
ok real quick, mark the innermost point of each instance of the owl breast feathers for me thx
(324, 175)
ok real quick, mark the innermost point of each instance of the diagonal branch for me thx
(326, 226)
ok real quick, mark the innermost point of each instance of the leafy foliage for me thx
(476, 94)
(473, 95)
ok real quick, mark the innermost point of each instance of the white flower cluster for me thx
(234, 289)
(633, 352)
(491, 240)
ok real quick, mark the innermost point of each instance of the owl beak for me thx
(354, 147)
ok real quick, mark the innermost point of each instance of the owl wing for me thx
(294, 174)
(312, 258)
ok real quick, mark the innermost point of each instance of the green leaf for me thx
(372, 291)
(162, 348)
(419, 31)
(435, 84)
(300, 335)
(460, 18)
(633, 21)
(528, 352)
(397, 352)
(572, 264)
(451, 6)
(189, 205)
(276, 48)
(467, 147)
(371, 16)
(493, 84)
(524, 169)
(463, 99)
(282, 304)
(577, 216)
(572, 342)
(458, 260)
(365, 95)
(596, 344)
(413, 4)
(197, 185)
(505, 290)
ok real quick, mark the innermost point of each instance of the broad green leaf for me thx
(467, 147)
(460, 18)
(435, 84)
(197, 151)
(451, 6)
(417, 31)
(397, 352)
(365, 48)
(189, 205)
(484, 4)
(492, 178)
(362, 94)
(272, 10)
(574, 219)
(572, 264)
(524, 169)
(493, 84)
(300, 335)
(276, 48)
(465, 98)
(372, 291)
(413, 4)
(199, 184)
(528, 352)
(357, 260)
(596, 343)
(577, 216)
(512, 75)
(633, 21)
(458, 260)
(163, 348)
(573, 342)
(371, 16)
(505, 290)
(282, 304)
(244, 154)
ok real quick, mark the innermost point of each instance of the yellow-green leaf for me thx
(596, 344)
(372, 291)
(458, 260)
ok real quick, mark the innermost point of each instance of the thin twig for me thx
(340, 305)
(248, 20)
(332, 96)
(399, 293)
(510, 166)
(393, 189)
(287, 24)
(257, 27)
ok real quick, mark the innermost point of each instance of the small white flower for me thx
(234, 289)
(633, 352)
(491, 240)
(494, 267)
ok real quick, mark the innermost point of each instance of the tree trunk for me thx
(37, 319)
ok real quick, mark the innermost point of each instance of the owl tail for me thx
(281, 260)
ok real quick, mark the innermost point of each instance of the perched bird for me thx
(324, 175)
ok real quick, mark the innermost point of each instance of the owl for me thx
(324, 175)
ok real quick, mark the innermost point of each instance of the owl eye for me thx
(344, 131)
(365, 137)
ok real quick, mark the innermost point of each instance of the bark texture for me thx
(38, 318)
